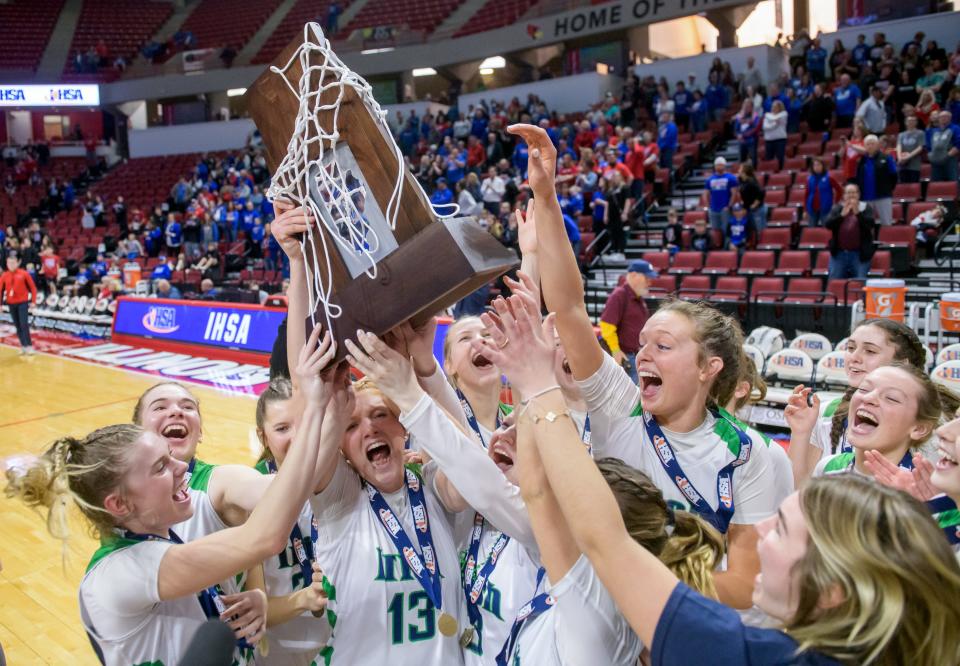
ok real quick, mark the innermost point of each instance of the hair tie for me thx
(671, 521)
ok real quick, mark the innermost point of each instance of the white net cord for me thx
(311, 168)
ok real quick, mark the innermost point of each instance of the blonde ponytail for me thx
(693, 552)
(82, 470)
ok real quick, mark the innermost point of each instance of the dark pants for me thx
(18, 312)
(748, 151)
(666, 158)
(776, 149)
(908, 176)
(844, 121)
(847, 264)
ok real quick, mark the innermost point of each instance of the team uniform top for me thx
(582, 628)
(488, 492)
(618, 431)
(383, 615)
(297, 641)
(120, 603)
(696, 630)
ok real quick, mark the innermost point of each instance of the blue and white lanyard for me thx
(423, 565)
(942, 504)
(472, 418)
(210, 601)
(474, 580)
(189, 473)
(845, 446)
(719, 518)
(540, 603)
(585, 436)
(304, 552)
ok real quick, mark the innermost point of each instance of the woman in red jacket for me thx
(18, 291)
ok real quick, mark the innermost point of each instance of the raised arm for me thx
(638, 582)
(191, 567)
(559, 273)
(801, 412)
(289, 225)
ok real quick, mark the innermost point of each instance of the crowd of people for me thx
(411, 516)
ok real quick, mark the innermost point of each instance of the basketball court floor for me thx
(44, 397)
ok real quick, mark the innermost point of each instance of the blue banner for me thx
(224, 325)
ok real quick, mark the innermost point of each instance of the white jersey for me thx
(511, 585)
(618, 431)
(205, 519)
(121, 608)
(583, 628)
(478, 480)
(297, 641)
(382, 614)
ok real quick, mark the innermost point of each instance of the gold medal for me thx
(466, 637)
(447, 625)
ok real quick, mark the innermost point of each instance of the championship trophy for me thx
(377, 254)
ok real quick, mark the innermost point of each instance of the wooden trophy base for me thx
(437, 267)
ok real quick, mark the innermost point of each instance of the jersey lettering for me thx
(390, 566)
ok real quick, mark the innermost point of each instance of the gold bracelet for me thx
(551, 416)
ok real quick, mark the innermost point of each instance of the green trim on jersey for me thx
(157, 662)
(261, 467)
(725, 428)
(108, 546)
(831, 408)
(201, 475)
(745, 426)
(638, 410)
(950, 518)
(841, 462)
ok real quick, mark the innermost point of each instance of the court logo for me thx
(161, 320)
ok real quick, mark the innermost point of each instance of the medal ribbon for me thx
(585, 436)
(425, 569)
(474, 580)
(301, 550)
(189, 472)
(944, 511)
(845, 446)
(719, 518)
(540, 603)
(209, 599)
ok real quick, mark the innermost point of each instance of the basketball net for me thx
(313, 164)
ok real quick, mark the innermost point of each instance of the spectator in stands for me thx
(164, 270)
(667, 140)
(927, 109)
(476, 155)
(492, 189)
(751, 196)
(699, 113)
(928, 225)
(130, 247)
(775, 133)
(173, 234)
(571, 202)
(120, 214)
(442, 196)
(819, 110)
(751, 77)
(587, 180)
(209, 261)
(739, 232)
(876, 178)
(847, 97)
(943, 145)
(469, 206)
(822, 190)
(208, 291)
(746, 126)
(910, 145)
(227, 56)
(700, 239)
(852, 243)
(87, 220)
(931, 80)
(873, 112)
(49, 274)
(717, 97)
(816, 61)
(333, 17)
(852, 150)
(166, 290)
(721, 187)
(625, 314)
(682, 101)
(774, 94)
(615, 211)
(673, 232)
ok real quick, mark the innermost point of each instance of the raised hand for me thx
(246, 614)
(518, 341)
(388, 369)
(419, 344)
(542, 164)
(313, 359)
(802, 410)
(922, 469)
(524, 284)
(526, 229)
(290, 222)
